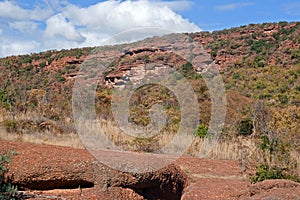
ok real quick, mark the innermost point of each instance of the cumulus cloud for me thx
(114, 16)
(18, 47)
(10, 10)
(24, 26)
(100, 21)
(234, 6)
(57, 25)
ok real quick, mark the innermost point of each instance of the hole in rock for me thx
(165, 185)
(56, 184)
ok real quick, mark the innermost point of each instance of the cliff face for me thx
(248, 46)
(254, 45)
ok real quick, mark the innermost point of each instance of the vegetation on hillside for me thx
(260, 66)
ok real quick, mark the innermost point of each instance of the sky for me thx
(33, 26)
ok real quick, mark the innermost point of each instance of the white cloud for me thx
(18, 47)
(40, 14)
(9, 9)
(1, 31)
(113, 17)
(56, 25)
(234, 6)
(24, 26)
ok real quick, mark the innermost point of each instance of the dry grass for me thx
(240, 148)
(296, 156)
(70, 139)
(47, 136)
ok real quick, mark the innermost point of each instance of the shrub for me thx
(43, 64)
(260, 64)
(283, 88)
(187, 67)
(3, 99)
(10, 125)
(283, 98)
(276, 161)
(295, 54)
(260, 84)
(201, 131)
(264, 95)
(246, 127)
(214, 53)
(27, 59)
(264, 172)
(258, 45)
(236, 75)
(187, 70)
(60, 78)
(259, 61)
(282, 23)
(7, 191)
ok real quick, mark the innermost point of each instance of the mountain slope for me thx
(259, 64)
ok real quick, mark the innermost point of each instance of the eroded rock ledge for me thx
(65, 173)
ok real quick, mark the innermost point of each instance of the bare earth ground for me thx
(55, 172)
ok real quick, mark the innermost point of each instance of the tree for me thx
(276, 161)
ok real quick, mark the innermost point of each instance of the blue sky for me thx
(33, 26)
(225, 14)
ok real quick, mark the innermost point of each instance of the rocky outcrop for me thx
(53, 172)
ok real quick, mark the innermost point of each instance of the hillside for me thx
(259, 64)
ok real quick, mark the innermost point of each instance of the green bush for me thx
(27, 59)
(43, 64)
(283, 98)
(236, 76)
(295, 54)
(187, 67)
(201, 131)
(214, 53)
(258, 46)
(7, 190)
(60, 78)
(3, 99)
(264, 172)
(261, 84)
